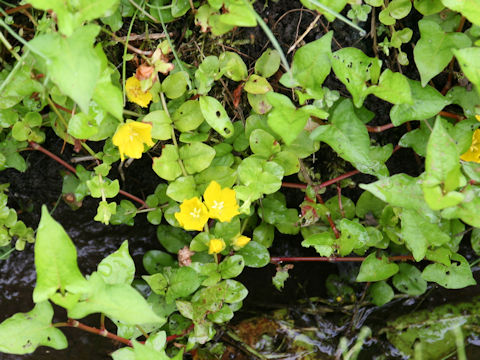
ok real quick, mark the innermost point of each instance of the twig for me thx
(143, 36)
(451, 115)
(305, 33)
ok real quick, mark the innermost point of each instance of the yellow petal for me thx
(241, 241)
(193, 214)
(130, 137)
(473, 154)
(135, 94)
(222, 203)
(215, 246)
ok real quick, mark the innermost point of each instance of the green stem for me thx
(12, 73)
(174, 137)
(9, 47)
(20, 39)
(167, 36)
(270, 36)
(131, 113)
(124, 61)
(55, 110)
(339, 16)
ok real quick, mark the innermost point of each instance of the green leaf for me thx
(264, 234)
(374, 269)
(456, 276)
(393, 189)
(258, 177)
(255, 255)
(311, 66)
(322, 242)
(392, 87)
(161, 124)
(409, 280)
(182, 188)
(72, 63)
(475, 240)
(263, 144)
(427, 102)
(73, 14)
(105, 211)
(20, 86)
(468, 8)
(419, 233)
(257, 85)
(398, 9)
(172, 238)
(188, 116)
(155, 260)
(348, 136)
(207, 71)
(216, 116)
(468, 209)
(353, 68)
(353, 236)
(182, 283)
(118, 267)
(231, 266)
(196, 156)
(55, 260)
(232, 65)
(428, 7)
(442, 169)
(104, 187)
(268, 63)
(106, 94)
(167, 165)
(117, 301)
(285, 119)
(175, 84)
(433, 51)
(470, 67)
(380, 293)
(22, 333)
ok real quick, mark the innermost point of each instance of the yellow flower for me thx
(221, 203)
(473, 154)
(215, 246)
(241, 241)
(130, 138)
(193, 214)
(477, 117)
(135, 94)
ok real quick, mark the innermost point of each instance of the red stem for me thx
(377, 129)
(62, 162)
(280, 259)
(322, 185)
(451, 116)
(176, 336)
(93, 330)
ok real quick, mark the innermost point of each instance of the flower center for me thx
(217, 205)
(196, 213)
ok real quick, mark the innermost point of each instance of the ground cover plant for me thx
(227, 138)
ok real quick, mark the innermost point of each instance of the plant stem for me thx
(339, 16)
(270, 36)
(33, 145)
(282, 259)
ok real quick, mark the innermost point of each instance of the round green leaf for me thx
(172, 239)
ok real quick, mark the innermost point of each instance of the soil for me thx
(42, 184)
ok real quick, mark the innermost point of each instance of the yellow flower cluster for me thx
(218, 204)
(130, 137)
(135, 94)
